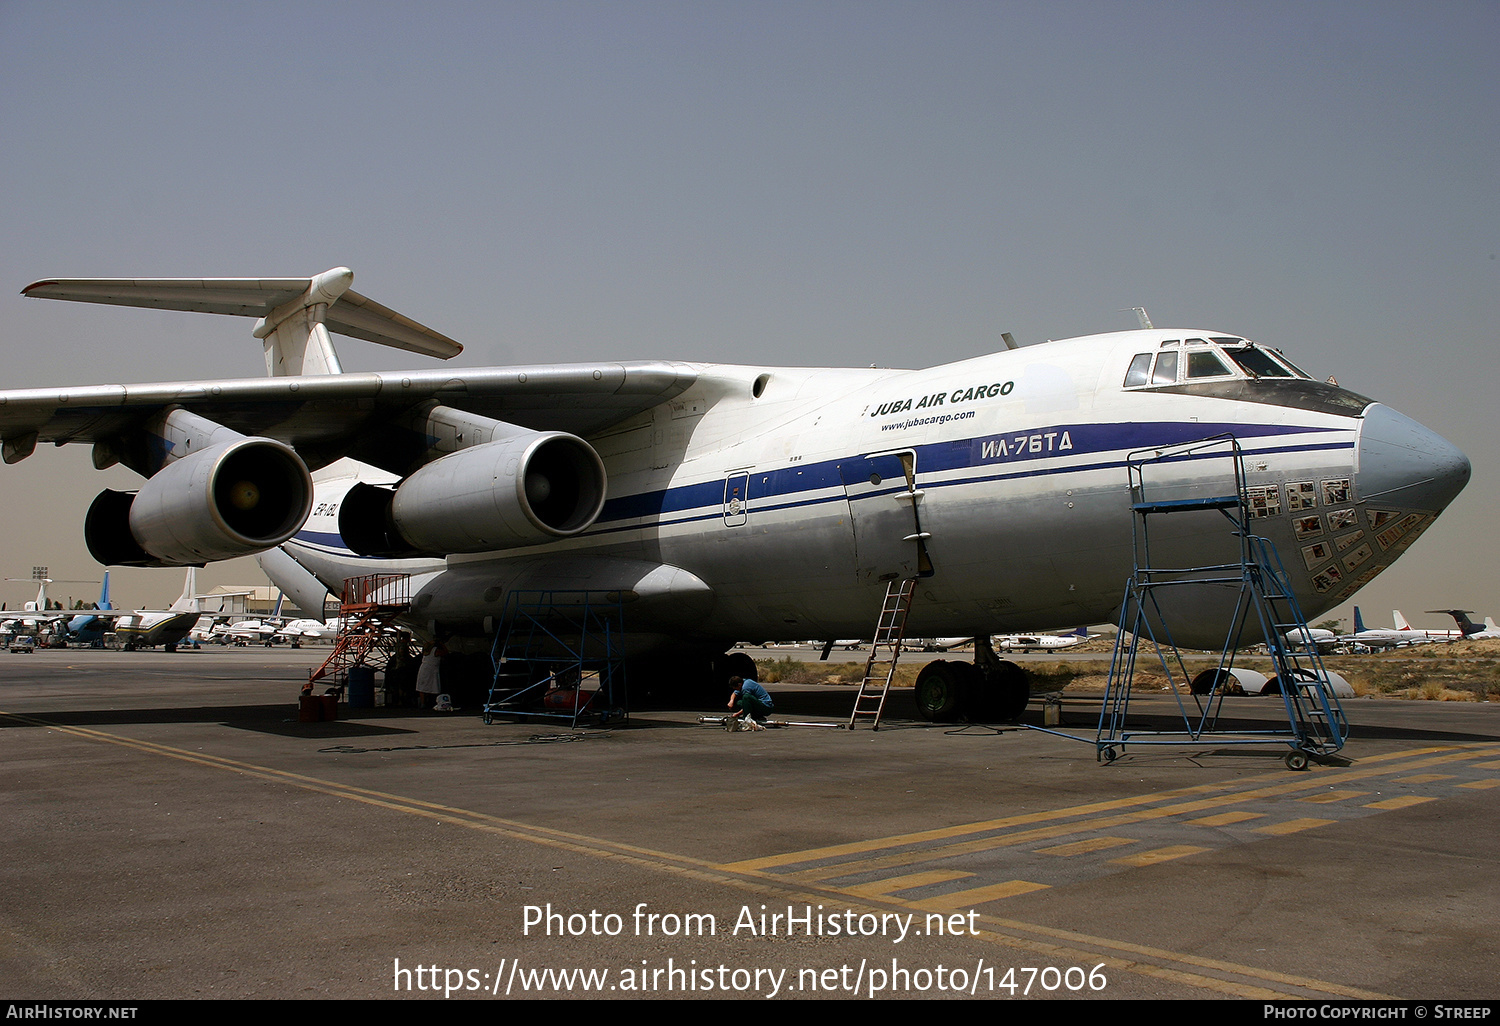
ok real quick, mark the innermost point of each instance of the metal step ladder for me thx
(1316, 716)
(890, 631)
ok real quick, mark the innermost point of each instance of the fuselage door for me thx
(885, 507)
(736, 498)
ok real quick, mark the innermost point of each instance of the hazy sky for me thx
(802, 183)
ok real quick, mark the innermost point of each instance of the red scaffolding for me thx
(368, 633)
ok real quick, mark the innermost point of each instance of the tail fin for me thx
(295, 314)
(187, 602)
(1399, 620)
(1460, 617)
(1359, 622)
(104, 593)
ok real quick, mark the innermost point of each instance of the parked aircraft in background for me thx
(1439, 634)
(1468, 630)
(36, 617)
(1381, 637)
(47, 622)
(1041, 642)
(263, 631)
(300, 631)
(727, 502)
(147, 628)
(935, 644)
(89, 628)
(1304, 638)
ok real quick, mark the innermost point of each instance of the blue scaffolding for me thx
(554, 645)
(1265, 601)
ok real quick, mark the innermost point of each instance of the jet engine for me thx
(231, 499)
(525, 489)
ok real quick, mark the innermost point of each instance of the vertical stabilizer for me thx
(1399, 620)
(188, 602)
(295, 335)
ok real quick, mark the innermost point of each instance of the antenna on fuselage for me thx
(1009, 340)
(1142, 317)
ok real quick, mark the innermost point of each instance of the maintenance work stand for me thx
(368, 637)
(555, 645)
(1264, 603)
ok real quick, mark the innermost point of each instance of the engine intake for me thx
(232, 499)
(530, 488)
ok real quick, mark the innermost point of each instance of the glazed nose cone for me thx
(1403, 464)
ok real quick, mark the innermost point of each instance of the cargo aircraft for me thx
(1042, 642)
(725, 503)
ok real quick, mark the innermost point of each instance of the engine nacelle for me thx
(530, 488)
(232, 499)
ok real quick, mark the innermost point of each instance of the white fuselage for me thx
(773, 504)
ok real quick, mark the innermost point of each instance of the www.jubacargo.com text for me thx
(512, 977)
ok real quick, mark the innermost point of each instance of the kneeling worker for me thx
(750, 701)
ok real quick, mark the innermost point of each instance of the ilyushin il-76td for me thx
(732, 503)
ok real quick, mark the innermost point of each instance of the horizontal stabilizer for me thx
(349, 314)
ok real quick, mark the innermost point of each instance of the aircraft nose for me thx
(1402, 463)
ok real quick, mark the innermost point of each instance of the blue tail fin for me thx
(1359, 621)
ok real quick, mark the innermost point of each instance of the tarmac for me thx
(172, 831)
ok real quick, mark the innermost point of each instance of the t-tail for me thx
(1461, 617)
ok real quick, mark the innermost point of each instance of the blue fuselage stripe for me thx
(704, 500)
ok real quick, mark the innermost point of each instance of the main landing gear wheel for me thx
(943, 689)
(1002, 693)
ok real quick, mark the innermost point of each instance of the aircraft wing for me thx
(326, 416)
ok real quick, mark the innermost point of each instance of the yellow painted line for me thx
(1405, 802)
(978, 895)
(1041, 833)
(1088, 845)
(1329, 797)
(1042, 941)
(1226, 819)
(1151, 858)
(1293, 826)
(1371, 767)
(962, 830)
(1487, 765)
(880, 888)
(1424, 778)
(1481, 785)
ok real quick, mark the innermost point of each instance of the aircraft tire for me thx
(943, 690)
(1001, 694)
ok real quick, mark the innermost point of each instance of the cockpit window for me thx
(1258, 363)
(1205, 363)
(1204, 359)
(1140, 370)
